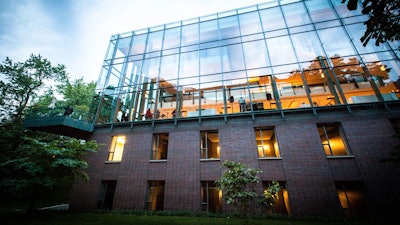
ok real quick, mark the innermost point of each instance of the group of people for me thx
(122, 116)
(149, 114)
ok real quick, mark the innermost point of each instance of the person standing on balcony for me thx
(68, 110)
(148, 115)
(242, 104)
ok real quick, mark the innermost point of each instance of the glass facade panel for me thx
(229, 27)
(320, 10)
(308, 47)
(249, 23)
(281, 51)
(190, 34)
(189, 64)
(232, 58)
(155, 41)
(210, 61)
(139, 44)
(172, 38)
(295, 14)
(209, 31)
(356, 32)
(272, 19)
(169, 67)
(255, 54)
(344, 12)
(336, 42)
(280, 55)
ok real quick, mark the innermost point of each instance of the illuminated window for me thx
(211, 197)
(155, 196)
(159, 149)
(332, 139)
(117, 148)
(209, 145)
(351, 198)
(281, 205)
(267, 146)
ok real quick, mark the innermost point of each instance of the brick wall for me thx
(310, 176)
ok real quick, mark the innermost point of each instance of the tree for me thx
(23, 83)
(238, 188)
(40, 162)
(383, 23)
(34, 162)
(77, 94)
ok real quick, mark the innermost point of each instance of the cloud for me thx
(77, 33)
(29, 30)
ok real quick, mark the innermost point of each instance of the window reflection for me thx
(295, 14)
(271, 58)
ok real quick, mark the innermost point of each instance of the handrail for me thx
(44, 112)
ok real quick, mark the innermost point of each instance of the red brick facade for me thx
(309, 174)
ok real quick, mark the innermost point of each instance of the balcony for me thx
(57, 121)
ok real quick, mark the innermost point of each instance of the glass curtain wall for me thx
(280, 55)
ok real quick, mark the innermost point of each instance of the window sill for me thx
(339, 156)
(214, 159)
(112, 162)
(270, 158)
(157, 160)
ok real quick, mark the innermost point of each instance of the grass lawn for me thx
(69, 218)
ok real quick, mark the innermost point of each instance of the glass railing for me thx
(76, 114)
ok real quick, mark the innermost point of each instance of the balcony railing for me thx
(59, 121)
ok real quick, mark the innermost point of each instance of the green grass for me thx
(97, 218)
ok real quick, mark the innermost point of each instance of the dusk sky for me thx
(76, 32)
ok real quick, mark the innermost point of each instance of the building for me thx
(283, 86)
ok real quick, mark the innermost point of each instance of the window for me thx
(155, 196)
(209, 146)
(211, 197)
(159, 149)
(106, 194)
(116, 148)
(282, 202)
(267, 146)
(332, 139)
(351, 198)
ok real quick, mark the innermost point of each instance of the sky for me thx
(76, 33)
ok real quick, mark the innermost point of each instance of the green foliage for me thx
(34, 162)
(42, 159)
(77, 94)
(270, 195)
(237, 185)
(23, 82)
(383, 23)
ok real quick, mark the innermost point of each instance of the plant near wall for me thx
(238, 187)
